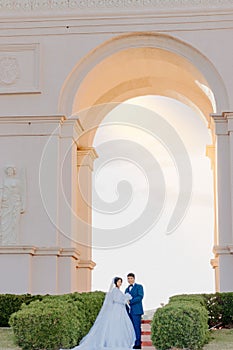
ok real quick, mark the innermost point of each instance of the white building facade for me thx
(63, 65)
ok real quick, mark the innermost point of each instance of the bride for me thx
(113, 329)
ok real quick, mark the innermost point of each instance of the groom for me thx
(135, 308)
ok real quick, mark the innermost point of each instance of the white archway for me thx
(192, 60)
(159, 64)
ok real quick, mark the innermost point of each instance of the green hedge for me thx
(10, 303)
(54, 313)
(220, 309)
(56, 321)
(46, 325)
(91, 303)
(181, 325)
(191, 298)
(218, 305)
(227, 309)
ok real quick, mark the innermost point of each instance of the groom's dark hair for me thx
(131, 274)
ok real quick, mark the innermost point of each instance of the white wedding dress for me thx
(113, 329)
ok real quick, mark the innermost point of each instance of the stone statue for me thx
(12, 204)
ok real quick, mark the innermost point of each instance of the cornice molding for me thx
(29, 6)
(17, 250)
(31, 125)
(41, 251)
(33, 119)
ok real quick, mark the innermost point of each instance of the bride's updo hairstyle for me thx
(116, 279)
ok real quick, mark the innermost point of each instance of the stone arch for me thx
(159, 65)
(201, 85)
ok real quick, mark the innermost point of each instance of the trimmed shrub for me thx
(213, 304)
(180, 325)
(220, 309)
(218, 305)
(198, 299)
(90, 303)
(51, 325)
(227, 309)
(56, 321)
(10, 303)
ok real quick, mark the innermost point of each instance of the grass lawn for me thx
(221, 340)
(6, 340)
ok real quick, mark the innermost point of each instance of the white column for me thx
(69, 255)
(86, 157)
(224, 217)
(210, 152)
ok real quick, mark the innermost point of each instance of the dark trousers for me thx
(136, 320)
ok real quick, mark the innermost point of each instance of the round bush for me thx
(191, 298)
(46, 325)
(180, 325)
(56, 321)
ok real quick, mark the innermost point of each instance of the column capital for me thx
(86, 157)
(70, 252)
(86, 264)
(71, 128)
(220, 124)
(223, 123)
(223, 249)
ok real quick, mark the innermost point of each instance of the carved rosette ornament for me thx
(9, 70)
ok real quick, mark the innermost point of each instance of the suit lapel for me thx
(133, 287)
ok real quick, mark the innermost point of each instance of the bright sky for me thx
(135, 168)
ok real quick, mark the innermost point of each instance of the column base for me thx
(224, 258)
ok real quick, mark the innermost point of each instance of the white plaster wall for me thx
(44, 277)
(60, 40)
(61, 48)
(215, 45)
(35, 225)
(58, 56)
(15, 272)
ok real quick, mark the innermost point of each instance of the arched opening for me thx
(136, 65)
(165, 263)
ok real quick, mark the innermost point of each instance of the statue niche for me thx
(12, 205)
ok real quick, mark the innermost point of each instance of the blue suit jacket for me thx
(136, 301)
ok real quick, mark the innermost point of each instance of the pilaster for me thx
(85, 160)
(223, 262)
(211, 153)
